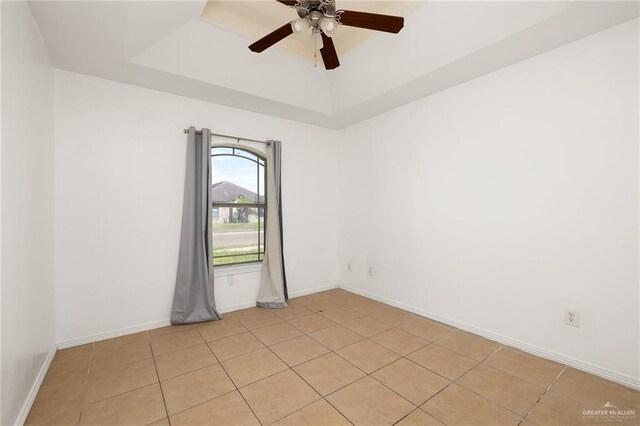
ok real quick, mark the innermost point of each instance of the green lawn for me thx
(236, 227)
(239, 256)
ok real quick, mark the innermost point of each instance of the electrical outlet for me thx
(370, 272)
(230, 280)
(348, 266)
(572, 318)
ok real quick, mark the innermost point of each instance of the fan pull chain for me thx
(315, 51)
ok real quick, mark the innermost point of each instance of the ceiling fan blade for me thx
(272, 38)
(329, 54)
(371, 21)
(290, 3)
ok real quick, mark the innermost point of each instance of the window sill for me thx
(223, 271)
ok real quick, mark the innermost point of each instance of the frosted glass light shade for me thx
(328, 26)
(299, 25)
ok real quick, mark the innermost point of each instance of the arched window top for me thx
(226, 151)
(238, 176)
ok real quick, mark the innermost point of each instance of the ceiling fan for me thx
(322, 18)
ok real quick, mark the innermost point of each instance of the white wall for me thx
(1, 213)
(501, 202)
(120, 158)
(27, 207)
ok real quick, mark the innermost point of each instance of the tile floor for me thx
(331, 358)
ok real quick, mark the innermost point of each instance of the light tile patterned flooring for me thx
(331, 358)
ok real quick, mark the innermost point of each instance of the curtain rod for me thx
(232, 137)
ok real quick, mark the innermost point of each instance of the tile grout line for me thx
(477, 394)
(282, 371)
(178, 350)
(417, 407)
(201, 403)
(431, 371)
(350, 363)
(442, 390)
(86, 384)
(544, 393)
(308, 384)
(243, 398)
(301, 316)
(295, 372)
(408, 414)
(269, 348)
(322, 397)
(522, 417)
(233, 357)
(405, 357)
(451, 382)
(88, 373)
(186, 372)
(128, 390)
(155, 366)
(333, 324)
(128, 362)
(236, 388)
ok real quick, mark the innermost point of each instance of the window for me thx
(238, 205)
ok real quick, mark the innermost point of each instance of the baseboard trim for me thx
(113, 333)
(300, 293)
(33, 392)
(236, 307)
(165, 322)
(526, 347)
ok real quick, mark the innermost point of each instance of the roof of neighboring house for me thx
(227, 192)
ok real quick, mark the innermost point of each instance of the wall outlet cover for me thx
(572, 318)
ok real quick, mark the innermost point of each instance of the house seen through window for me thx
(238, 205)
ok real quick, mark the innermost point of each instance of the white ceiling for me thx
(168, 46)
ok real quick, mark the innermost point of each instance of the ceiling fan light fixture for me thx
(328, 26)
(322, 17)
(300, 25)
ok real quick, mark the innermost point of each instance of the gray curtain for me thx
(193, 299)
(273, 284)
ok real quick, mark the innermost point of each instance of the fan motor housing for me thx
(309, 6)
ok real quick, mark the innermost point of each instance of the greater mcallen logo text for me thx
(609, 412)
